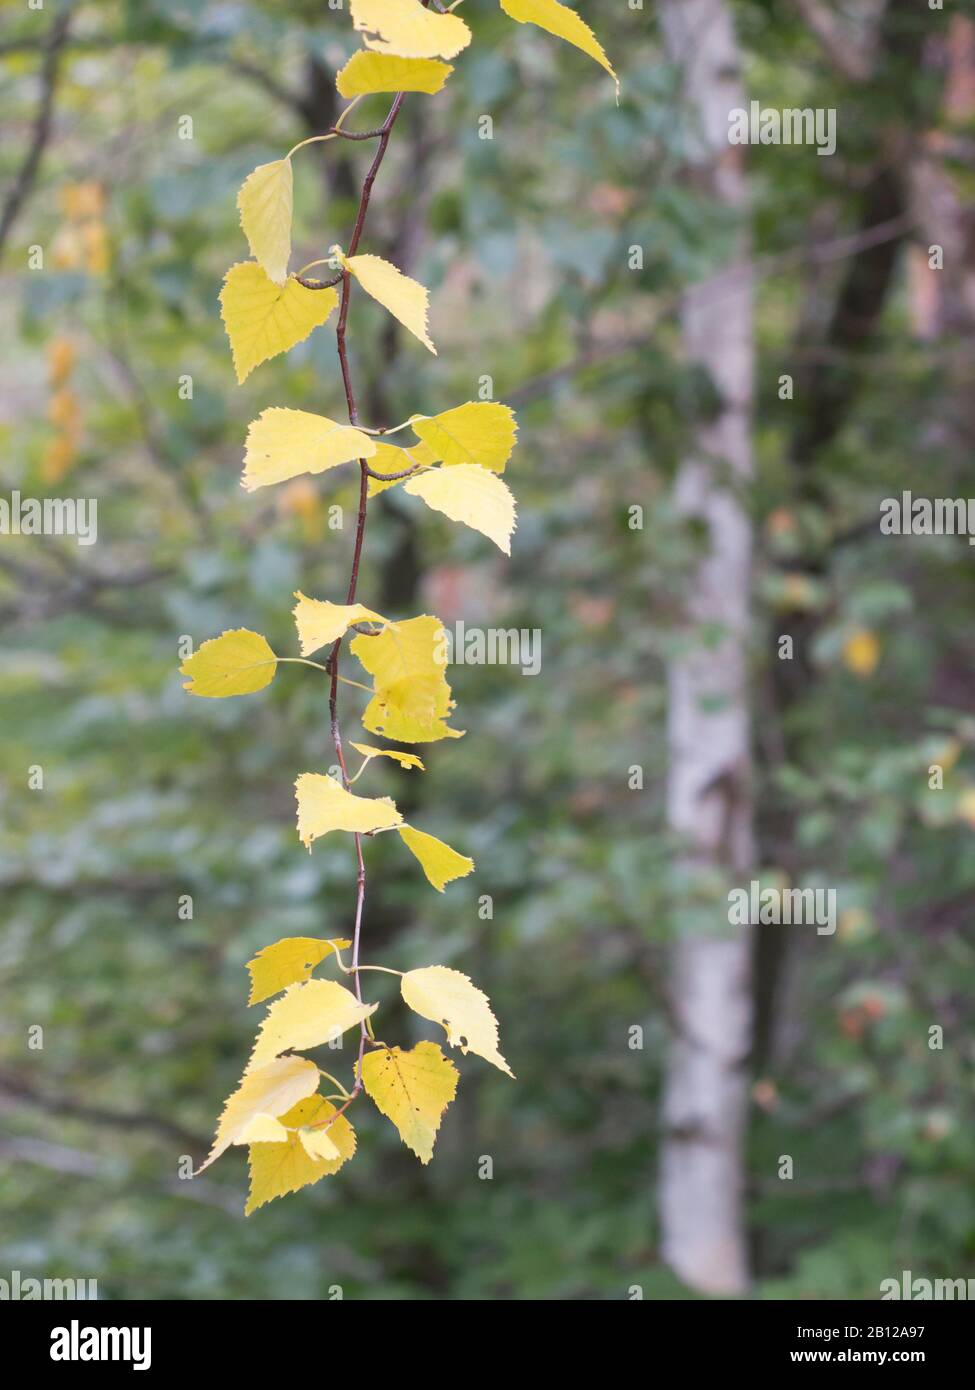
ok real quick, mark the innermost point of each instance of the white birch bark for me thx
(709, 793)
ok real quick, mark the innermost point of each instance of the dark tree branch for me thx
(41, 134)
(834, 39)
(16, 1088)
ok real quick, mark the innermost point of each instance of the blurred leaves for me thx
(160, 852)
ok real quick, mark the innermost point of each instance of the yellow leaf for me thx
(390, 459)
(947, 754)
(264, 1129)
(407, 662)
(58, 458)
(469, 494)
(263, 319)
(266, 205)
(447, 997)
(384, 72)
(410, 712)
(406, 760)
(283, 443)
(270, 1091)
(318, 1145)
(965, 806)
(412, 1089)
(277, 1169)
(94, 236)
(81, 201)
(287, 962)
(307, 1015)
(405, 28)
(406, 299)
(439, 862)
(60, 354)
(564, 24)
(64, 410)
(235, 663)
(861, 652)
(481, 432)
(320, 622)
(324, 805)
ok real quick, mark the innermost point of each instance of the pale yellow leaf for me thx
(269, 1091)
(318, 1144)
(447, 997)
(405, 28)
(861, 652)
(263, 319)
(235, 663)
(406, 760)
(439, 862)
(287, 962)
(406, 649)
(482, 432)
(266, 205)
(277, 1169)
(469, 494)
(284, 443)
(324, 805)
(320, 622)
(263, 1129)
(564, 24)
(406, 299)
(385, 72)
(307, 1015)
(412, 1089)
(407, 661)
(410, 711)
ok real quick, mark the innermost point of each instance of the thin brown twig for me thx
(333, 659)
(392, 477)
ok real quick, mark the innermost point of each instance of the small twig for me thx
(318, 284)
(392, 477)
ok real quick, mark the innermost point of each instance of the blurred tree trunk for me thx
(709, 787)
(943, 301)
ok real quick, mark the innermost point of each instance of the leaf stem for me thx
(303, 661)
(312, 140)
(323, 260)
(335, 1082)
(337, 127)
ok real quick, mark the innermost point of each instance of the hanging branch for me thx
(294, 1134)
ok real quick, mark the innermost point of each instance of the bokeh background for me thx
(526, 241)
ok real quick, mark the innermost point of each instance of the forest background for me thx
(578, 254)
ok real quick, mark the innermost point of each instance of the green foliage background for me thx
(524, 241)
